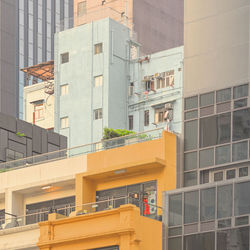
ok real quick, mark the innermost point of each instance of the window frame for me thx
(66, 59)
(98, 48)
(64, 122)
(98, 114)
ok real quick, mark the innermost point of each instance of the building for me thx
(103, 86)
(39, 97)
(105, 217)
(38, 22)
(162, 20)
(80, 175)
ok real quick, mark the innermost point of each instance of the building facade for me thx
(37, 23)
(157, 25)
(108, 87)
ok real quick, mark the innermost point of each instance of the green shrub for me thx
(110, 133)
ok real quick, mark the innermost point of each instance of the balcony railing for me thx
(83, 149)
(147, 210)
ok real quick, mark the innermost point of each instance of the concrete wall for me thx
(83, 98)
(35, 93)
(217, 50)
(8, 33)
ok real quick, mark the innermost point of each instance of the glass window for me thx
(224, 201)
(64, 122)
(81, 8)
(215, 130)
(159, 115)
(206, 157)
(171, 231)
(64, 89)
(191, 207)
(241, 91)
(130, 122)
(191, 115)
(241, 198)
(243, 171)
(98, 81)
(207, 99)
(240, 103)
(190, 135)
(224, 223)
(190, 161)
(190, 179)
(207, 111)
(175, 210)
(207, 204)
(222, 154)
(240, 151)
(230, 174)
(203, 241)
(218, 176)
(233, 239)
(146, 118)
(175, 243)
(98, 48)
(97, 114)
(191, 103)
(204, 176)
(223, 95)
(65, 57)
(241, 127)
(223, 107)
(241, 221)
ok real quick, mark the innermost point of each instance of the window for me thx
(98, 48)
(97, 114)
(190, 135)
(159, 115)
(65, 57)
(98, 81)
(64, 122)
(190, 179)
(223, 95)
(191, 207)
(191, 103)
(39, 111)
(64, 89)
(81, 8)
(241, 124)
(240, 103)
(240, 151)
(203, 241)
(224, 201)
(206, 157)
(243, 171)
(175, 243)
(175, 210)
(130, 122)
(218, 176)
(230, 174)
(164, 79)
(207, 99)
(146, 117)
(241, 198)
(207, 204)
(222, 154)
(131, 89)
(240, 91)
(149, 85)
(190, 161)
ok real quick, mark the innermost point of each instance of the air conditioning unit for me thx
(152, 201)
(169, 106)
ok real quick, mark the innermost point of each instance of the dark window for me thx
(241, 91)
(240, 103)
(175, 210)
(215, 130)
(224, 223)
(204, 176)
(241, 221)
(240, 151)
(191, 205)
(207, 204)
(146, 117)
(64, 57)
(206, 157)
(190, 161)
(98, 48)
(241, 124)
(222, 154)
(190, 135)
(130, 122)
(230, 174)
(175, 243)
(218, 176)
(191, 102)
(97, 114)
(190, 179)
(233, 239)
(241, 198)
(203, 241)
(207, 99)
(191, 115)
(224, 201)
(243, 171)
(223, 95)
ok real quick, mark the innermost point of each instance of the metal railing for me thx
(88, 208)
(83, 149)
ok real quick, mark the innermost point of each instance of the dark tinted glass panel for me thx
(224, 201)
(223, 95)
(241, 91)
(206, 157)
(175, 210)
(218, 176)
(190, 179)
(233, 239)
(190, 160)
(191, 134)
(240, 103)
(191, 207)
(240, 151)
(224, 223)
(243, 171)
(241, 124)
(191, 115)
(223, 107)
(207, 204)
(175, 243)
(207, 99)
(230, 174)
(199, 241)
(222, 154)
(191, 102)
(241, 198)
(204, 176)
(207, 111)
(175, 231)
(215, 130)
(241, 221)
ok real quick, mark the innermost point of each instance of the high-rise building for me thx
(158, 25)
(36, 24)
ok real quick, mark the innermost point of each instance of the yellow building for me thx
(108, 214)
